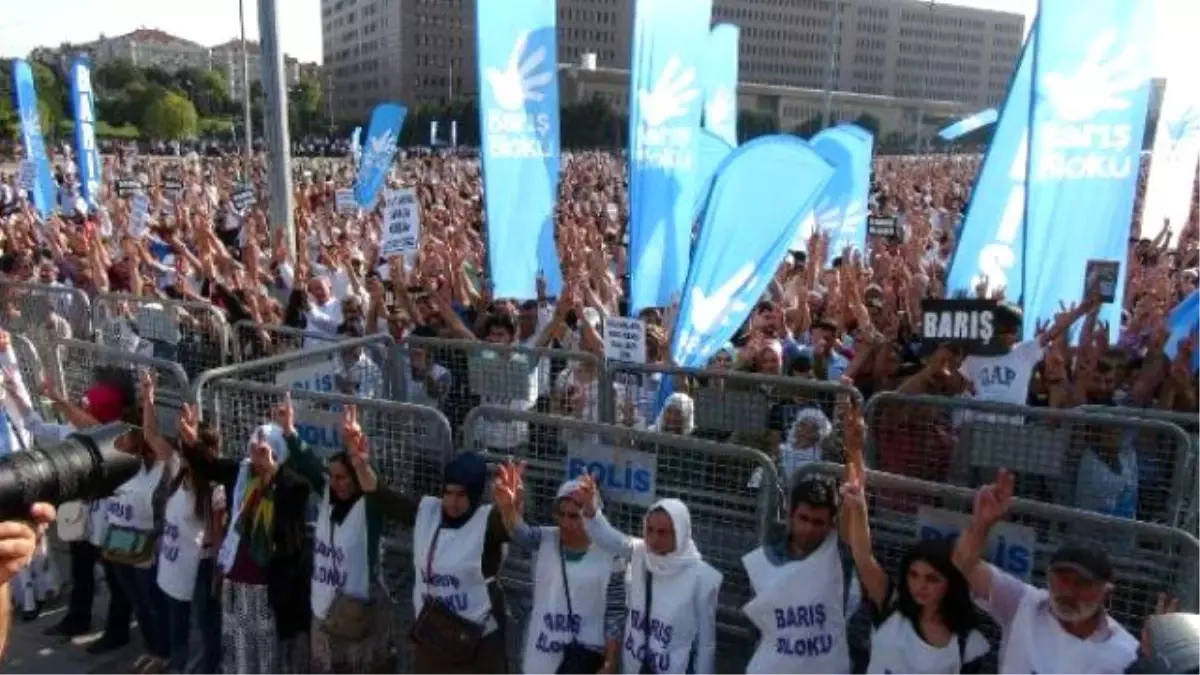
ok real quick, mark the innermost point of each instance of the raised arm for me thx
(856, 530)
(508, 494)
(161, 447)
(397, 507)
(599, 530)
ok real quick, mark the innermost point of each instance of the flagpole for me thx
(249, 150)
(834, 34)
(279, 153)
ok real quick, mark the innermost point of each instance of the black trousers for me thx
(84, 556)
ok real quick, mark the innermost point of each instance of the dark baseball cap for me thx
(1087, 560)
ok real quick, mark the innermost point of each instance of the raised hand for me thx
(285, 415)
(585, 494)
(189, 424)
(508, 490)
(854, 432)
(993, 501)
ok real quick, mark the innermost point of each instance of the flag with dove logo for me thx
(32, 139)
(759, 193)
(842, 208)
(1091, 89)
(519, 117)
(1176, 150)
(720, 83)
(378, 152)
(669, 42)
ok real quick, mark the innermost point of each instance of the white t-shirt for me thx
(1004, 379)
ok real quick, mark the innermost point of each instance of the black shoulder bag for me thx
(577, 657)
(439, 629)
(647, 659)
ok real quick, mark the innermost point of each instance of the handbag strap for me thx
(429, 560)
(562, 564)
(649, 596)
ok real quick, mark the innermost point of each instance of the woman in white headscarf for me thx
(578, 612)
(802, 445)
(671, 593)
(678, 415)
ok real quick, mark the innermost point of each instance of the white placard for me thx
(320, 429)
(622, 475)
(1010, 547)
(25, 177)
(624, 339)
(401, 222)
(346, 205)
(318, 377)
(612, 211)
(140, 208)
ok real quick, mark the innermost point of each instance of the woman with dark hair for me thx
(925, 622)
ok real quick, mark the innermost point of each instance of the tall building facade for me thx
(424, 50)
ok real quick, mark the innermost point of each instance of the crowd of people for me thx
(207, 537)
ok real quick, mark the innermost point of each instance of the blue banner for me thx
(519, 118)
(669, 42)
(356, 143)
(990, 238)
(87, 157)
(1091, 91)
(44, 189)
(720, 83)
(770, 182)
(968, 124)
(1184, 322)
(842, 208)
(379, 151)
(711, 151)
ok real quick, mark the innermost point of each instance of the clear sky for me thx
(37, 23)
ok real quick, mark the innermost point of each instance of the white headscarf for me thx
(568, 489)
(685, 554)
(793, 457)
(687, 410)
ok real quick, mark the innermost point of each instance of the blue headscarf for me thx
(470, 472)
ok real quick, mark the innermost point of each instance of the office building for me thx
(424, 50)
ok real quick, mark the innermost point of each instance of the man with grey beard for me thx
(1060, 629)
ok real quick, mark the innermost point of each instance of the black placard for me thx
(127, 187)
(243, 197)
(1101, 277)
(970, 324)
(883, 226)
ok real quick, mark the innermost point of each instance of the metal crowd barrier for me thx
(252, 341)
(635, 468)
(1060, 454)
(76, 363)
(32, 308)
(193, 334)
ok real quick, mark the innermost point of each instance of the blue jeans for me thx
(149, 606)
(205, 610)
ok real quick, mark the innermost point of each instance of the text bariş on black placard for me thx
(970, 323)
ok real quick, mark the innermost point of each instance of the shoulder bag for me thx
(349, 618)
(441, 630)
(577, 657)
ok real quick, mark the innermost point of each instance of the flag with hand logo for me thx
(720, 83)
(966, 125)
(990, 241)
(759, 193)
(1091, 89)
(1184, 322)
(32, 139)
(841, 210)
(669, 42)
(87, 157)
(519, 118)
(377, 154)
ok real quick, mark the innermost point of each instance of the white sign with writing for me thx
(1010, 547)
(622, 475)
(401, 222)
(346, 205)
(624, 339)
(25, 177)
(140, 215)
(318, 377)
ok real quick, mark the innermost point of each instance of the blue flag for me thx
(711, 151)
(968, 124)
(31, 136)
(669, 42)
(720, 83)
(87, 158)
(990, 239)
(842, 208)
(1091, 91)
(356, 143)
(380, 150)
(519, 117)
(758, 195)
(1183, 322)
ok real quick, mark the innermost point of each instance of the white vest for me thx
(340, 561)
(182, 546)
(674, 609)
(1037, 643)
(457, 578)
(798, 610)
(132, 505)
(550, 629)
(97, 521)
(897, 648)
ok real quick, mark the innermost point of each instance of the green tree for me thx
(588, 124)
(156, 75)
(755, 123)
(112, 76)
(304, 107)
(809, 128)
(869, 122)
(170, 117)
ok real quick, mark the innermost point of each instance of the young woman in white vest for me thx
(187, 551)
(578, 613)
(135, 523)
(1063, 628)
(353, 617)
(925, 622)
(264, 556)
(458, 547)
(671, 593)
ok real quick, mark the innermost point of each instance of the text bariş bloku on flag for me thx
(87, 156)
(31, 137)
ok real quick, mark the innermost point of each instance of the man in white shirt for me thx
(1063, 628)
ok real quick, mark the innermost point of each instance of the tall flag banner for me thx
(771, 182)
(87, 156)
(720, 83)
(382, 134)
(454, 133)
(1183, 322)
(841, 209)
(32, 139)
(520, 127)
(711, 151)
(669, 42)
(356, 144)
(990, 240)
(1091, 88)
(966, 125)
(1176, 148)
